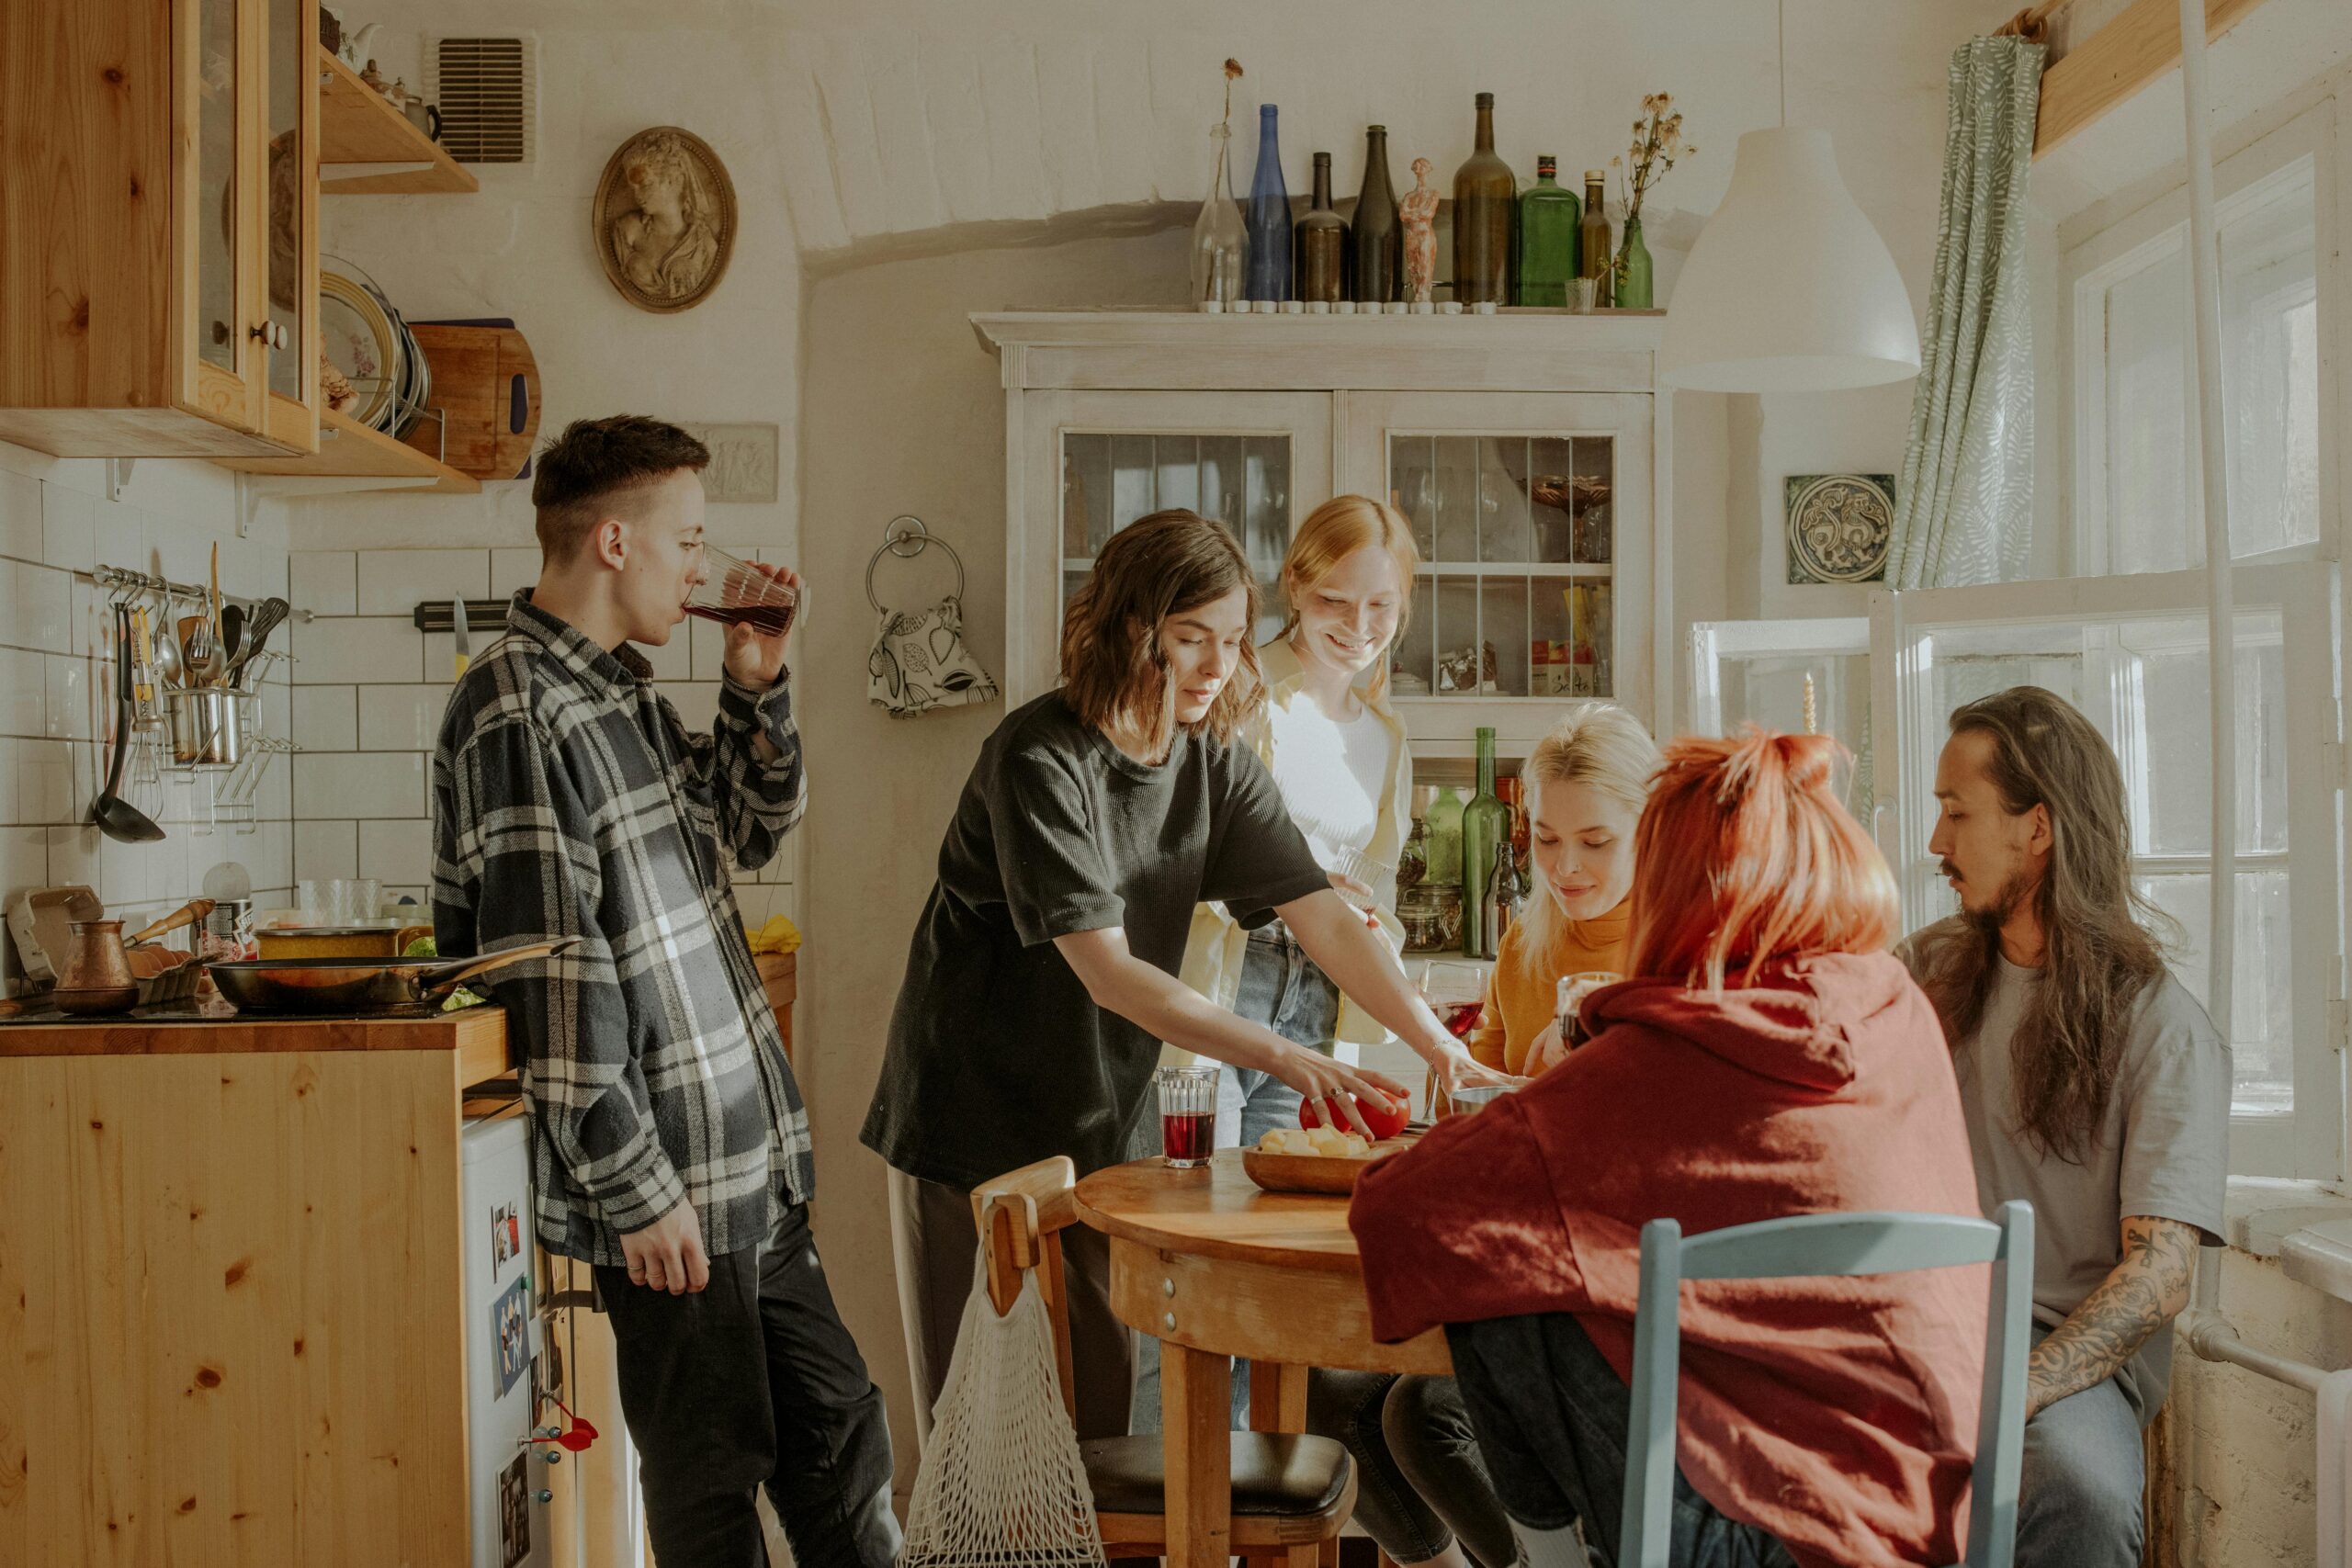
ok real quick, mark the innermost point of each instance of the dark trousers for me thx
(753, 1382)
(1420, 1481)
(1551, 1415)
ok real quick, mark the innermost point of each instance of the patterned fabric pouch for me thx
(920, 662)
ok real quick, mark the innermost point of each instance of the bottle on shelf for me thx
(1498, 901)
(1548, 216)
(1486, 823)
(1413, 860)
(1320, 243)
(1220, 244)
(1593, 240)
(1445, 820)
(1268, 215)
(1635, 283)
(1486, 200)
(1377, 238)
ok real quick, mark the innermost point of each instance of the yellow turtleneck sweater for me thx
(1524, 985)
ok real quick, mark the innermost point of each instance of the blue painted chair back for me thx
(1812, 1246)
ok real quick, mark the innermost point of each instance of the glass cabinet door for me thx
(289, 192)
(1532, 515)
(223, 359)
(1094, 462)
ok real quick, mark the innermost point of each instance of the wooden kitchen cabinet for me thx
(1529, 450)
(158, 231)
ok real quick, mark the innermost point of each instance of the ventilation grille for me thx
(488, 91)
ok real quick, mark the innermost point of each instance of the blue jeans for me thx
(1282, 988)
(1551, 1416)
(2079, 1490)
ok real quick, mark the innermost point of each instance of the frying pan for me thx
(361, 988)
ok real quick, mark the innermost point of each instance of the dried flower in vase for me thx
(1657, 147)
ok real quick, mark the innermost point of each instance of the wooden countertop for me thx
(477, 1034)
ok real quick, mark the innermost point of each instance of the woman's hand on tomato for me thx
(1319, 1078)
(1381, 1118)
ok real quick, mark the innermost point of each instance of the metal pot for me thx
(360, 987)
(208, 726)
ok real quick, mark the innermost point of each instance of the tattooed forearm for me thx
(2139, 1296)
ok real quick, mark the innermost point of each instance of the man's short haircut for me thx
(595, 461)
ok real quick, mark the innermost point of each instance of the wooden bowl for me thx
(1314, 1173)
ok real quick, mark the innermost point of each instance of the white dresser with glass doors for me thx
(1528, 448)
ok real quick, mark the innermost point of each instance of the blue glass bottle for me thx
(1268, 219)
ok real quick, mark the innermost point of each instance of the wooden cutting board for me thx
(486, 384)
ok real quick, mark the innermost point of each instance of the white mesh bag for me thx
(1001, 1483)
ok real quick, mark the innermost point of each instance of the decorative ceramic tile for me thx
(1840, 526)
(742, 461)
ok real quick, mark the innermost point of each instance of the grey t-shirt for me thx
(2162, 1149)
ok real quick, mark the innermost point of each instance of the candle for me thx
(1808, 705)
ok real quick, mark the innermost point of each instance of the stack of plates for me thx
(367, 340)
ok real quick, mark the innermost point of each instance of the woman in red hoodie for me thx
(1768, 1057)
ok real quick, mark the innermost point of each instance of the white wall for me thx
(57, 682)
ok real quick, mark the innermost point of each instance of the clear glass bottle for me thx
(1548, 260)
(1320, 243)
(1220, 243)
(1593, 240)
(1268, 219)
(1377, 238)
(1485, 201)
(1486, 823)
(1498, 901)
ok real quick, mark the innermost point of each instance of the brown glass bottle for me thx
(1485, 202)
(1593, 241)
(1376, 239)
(1320, 243)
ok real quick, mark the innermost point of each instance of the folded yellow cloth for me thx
(779, 935)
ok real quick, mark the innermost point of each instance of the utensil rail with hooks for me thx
(134, 584)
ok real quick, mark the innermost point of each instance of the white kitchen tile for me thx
(21, 506)
(69, 528)
(326, 718)
(673, 661)
(73, 857)
(44, 772)
(369, 784)
(70, 703)
(11, 788)
(24, 691)
(130, 874)
(402, 719)
(342, 651)
(89, 625)
(268, 855)
(42, 602)
(709, 648)
(323, 581)
(122, 536)
(510, 570)
(326, 849)
(396, 854)
(392, 582)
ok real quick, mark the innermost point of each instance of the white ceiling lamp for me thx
(1789, 289)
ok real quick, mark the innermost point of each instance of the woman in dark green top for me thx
(1042, 978)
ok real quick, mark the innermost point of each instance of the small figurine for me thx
(335, 387)
(398, 94)
(1418, 212)
(373, 77)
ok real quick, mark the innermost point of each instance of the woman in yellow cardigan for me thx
(1585, 782)
(1422, 1491)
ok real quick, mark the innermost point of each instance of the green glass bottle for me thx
(1486, 822)
(1548, 216)
(1486, 198)
(1593, 240)
(1633, 282)
(1445, 817)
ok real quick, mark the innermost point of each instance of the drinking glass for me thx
(736, 590)
(1187, 1115)
(1569, 999)
(1456, 993)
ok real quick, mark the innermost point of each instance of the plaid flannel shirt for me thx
(569, 800)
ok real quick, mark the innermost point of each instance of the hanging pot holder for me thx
(920, 662)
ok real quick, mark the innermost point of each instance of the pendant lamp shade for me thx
(1789, 289)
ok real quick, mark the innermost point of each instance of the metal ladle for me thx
(116, 817)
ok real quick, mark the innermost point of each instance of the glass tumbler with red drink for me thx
(1569, 1001)
(1187, 1115)
(737, 592)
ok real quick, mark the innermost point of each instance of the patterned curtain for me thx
(1963, 513)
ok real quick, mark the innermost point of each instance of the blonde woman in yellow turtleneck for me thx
(1585, 784)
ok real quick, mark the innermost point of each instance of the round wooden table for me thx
(1213, 1268)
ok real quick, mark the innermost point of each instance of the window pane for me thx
(2262, 1042)
(1969, 662)
(2149, 490)
(2173, 764)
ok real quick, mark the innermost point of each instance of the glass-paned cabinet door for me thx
(1532, 514)
(223, 362)
(1256, 462)
(290, 190)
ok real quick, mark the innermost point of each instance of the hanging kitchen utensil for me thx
(232, 632)
(462, 631)
(166, 649)
(360, 987)
(267, 618)
(187, 914)
(919, 662)
(116, 817)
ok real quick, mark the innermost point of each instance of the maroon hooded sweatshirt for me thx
(1839, 1414)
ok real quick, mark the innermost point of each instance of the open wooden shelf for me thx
(358, 124)
(351, 450)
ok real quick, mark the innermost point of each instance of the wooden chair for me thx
(1291, 1494)
(1817, 1244)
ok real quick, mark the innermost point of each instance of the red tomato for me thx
(1385, 1121)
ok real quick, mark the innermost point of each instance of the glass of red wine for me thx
(737, 591)
(1187, 1115)
(1571, 992)
(1456, 993)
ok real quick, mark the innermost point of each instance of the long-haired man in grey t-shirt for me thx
(2093, 1085)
